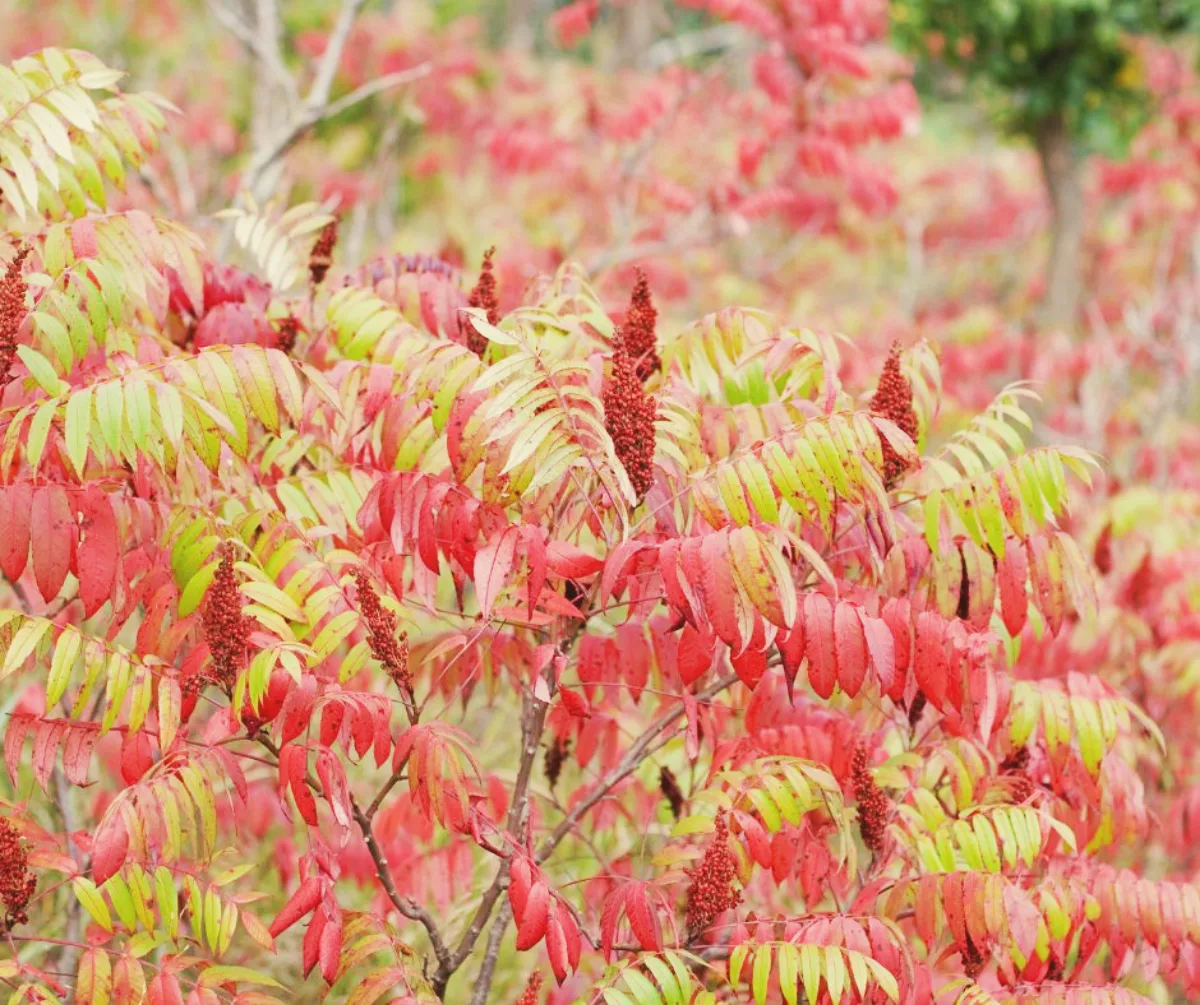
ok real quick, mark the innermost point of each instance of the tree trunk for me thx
(1062, 168)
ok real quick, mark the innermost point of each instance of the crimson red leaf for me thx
(52, 528)
(77, 753)
(302, 902)
(1011, 573)
(750, 667)
(493, 563)
(695, 654)
(310, 949)
(16, 501)
(520, 881)
(642, 919)
(533, 922)
(610, 917)
(330, 947)
(791, 651)
(819, 644)
(164, 990)
(14, 740)
(570, 930)
(881, 648)
(719, 590)
(556, 949)
(929, 662)
(98, 551)
(575, 704)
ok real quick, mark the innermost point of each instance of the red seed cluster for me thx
(671, 791)
(17, 883)
(972, 960)
(226, 629)
(12, 312)
(484, 296)
(321, 256)
(629, 414)
(556, 756)
(712, 892)
(874, 808)
(286, 330)
(386, 646)
(894, 400)
(638, 331)
(532, 990)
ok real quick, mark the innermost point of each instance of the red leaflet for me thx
(98, 550)
(575, 704)
(16, 503)
(14, 741)
(329, 947)
(929, 660)
(77, 752)
(109, 846)
(164, 990)
(520, 882)
(791, 652)
(52, 527)
(695, 654)
(819, 644)
(881, 648)
(642, 920)
(898, 618)
(556, 949)
(851, 648)
(571, 934)
(532, 924)
(301, 903)
(750, 666)
(721, 599)
(297, 709)
(493, 563)
(1011, 572)
(310, 948)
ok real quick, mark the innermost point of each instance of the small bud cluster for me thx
(556, 756)
(12, 312)
(629, 414)
(972, 960)
(386, 646)
(671, 791)
(638, 330)
(1015, 769)
(874, 808)
(711, 892)
(321, 256)
(286, 329)
(17, 883)
(916, 709)
(226, 629)
(532, 990)
(894, 400)
(483, 295)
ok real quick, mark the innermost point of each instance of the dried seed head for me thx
(874, 808)
(17, 883)
(671, 791)
(321, 256)
(483, 296)
(638, 330)
(711, 892)
(894, 400)
(556, 756)
(12, 312)
(629, 414)
(386, 646)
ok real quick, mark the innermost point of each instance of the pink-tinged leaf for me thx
(1011, 573)
(45, 749)
(109, 847)
(302, 902)
(534, 917)
(695, 655)
(164, 990)
(881, 648)
(52, 528)
(642, 920)
(14, 741)
(750, 667)
(571, 562)
(851, 648)
(929, 663)
(520, 882)
(898, 618)
(720, 591)
(333, 783)
(98, 551)
(493, 563)
(83, 238)
(668, 569)
(137, 757)
(16, 504)
(170, 709)
(77, 753)
(819, 644)
(614, 567)
(297, 709)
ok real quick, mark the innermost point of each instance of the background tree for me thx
(1063, 73)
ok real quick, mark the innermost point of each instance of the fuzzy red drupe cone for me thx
(12, 312)
(321, 256)
(894, 400)
(391, 650)
(711, 892)
(484, 296)
(874, 808)
(226, 629)
(532, 990)
(629, 414)
(638, 330)
(17, 883)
